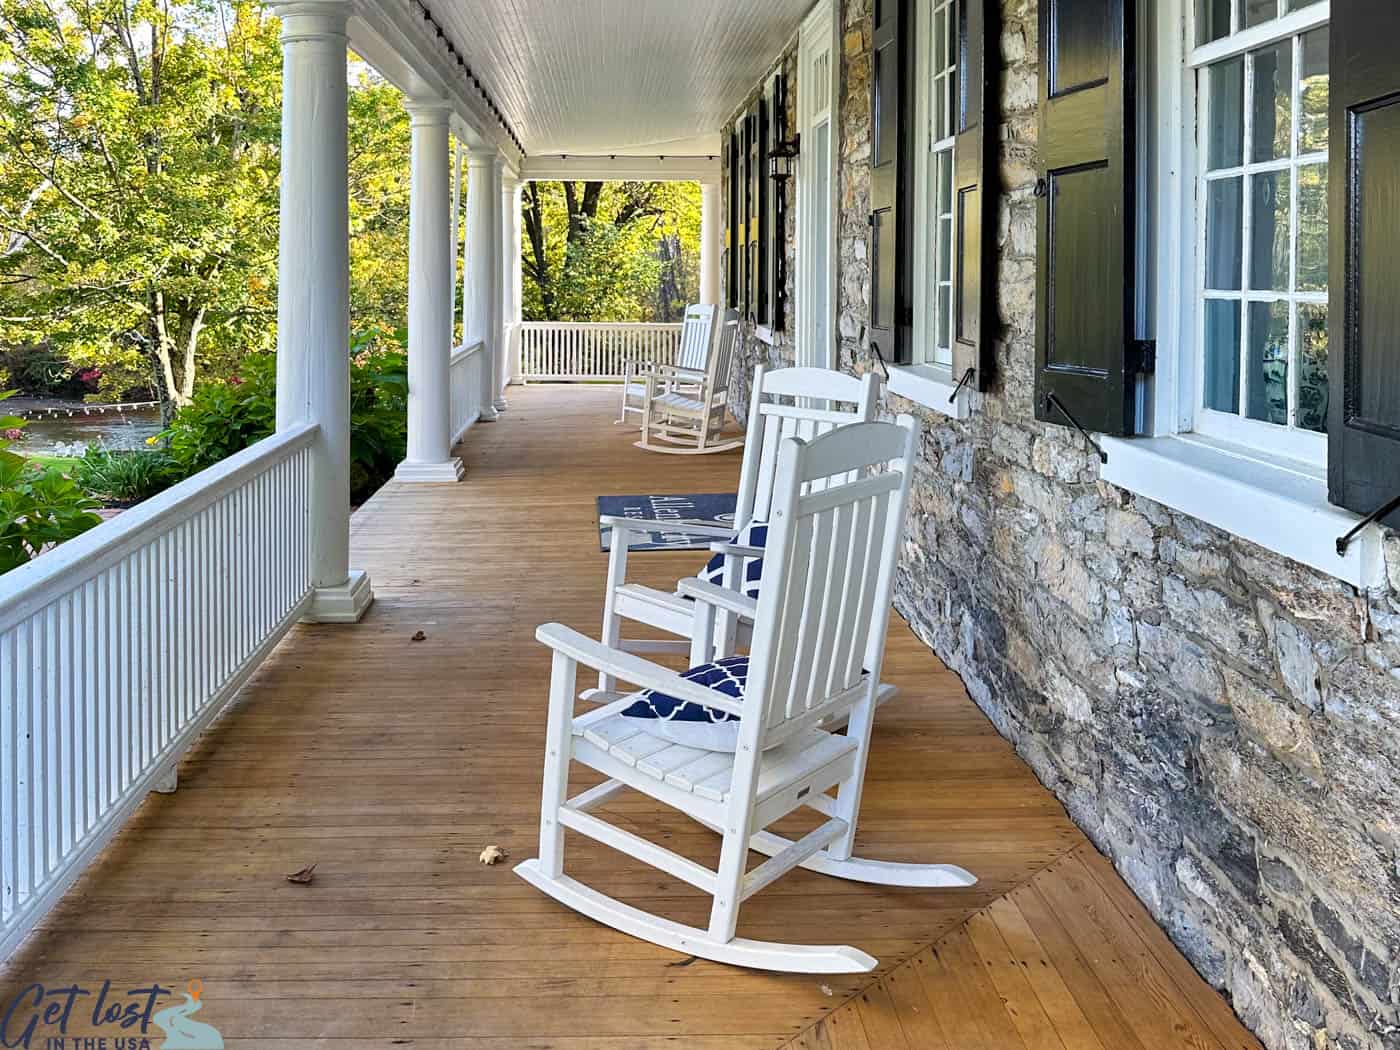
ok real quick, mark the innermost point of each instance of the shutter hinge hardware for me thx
(966, 377)
(875, 352)
(1042, 188)
(1142, 356)
(1053, 401)
(1383, 511)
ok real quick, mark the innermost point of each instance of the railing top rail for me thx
(465, 351)
(31, 587)
(535, 326)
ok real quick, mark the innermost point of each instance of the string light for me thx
(467, 71)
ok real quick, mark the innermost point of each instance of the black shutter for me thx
(1085, 366)
(975, 191)
(732, 213)
(891, 173)
(1363, 312)
(752, 210)
(763, 197)
(746, 220)
(777, 195)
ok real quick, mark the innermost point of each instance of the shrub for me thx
(125, 476)
(228, 416)
(38, 506)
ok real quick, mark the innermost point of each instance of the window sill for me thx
(1280, 505)
(931, 386)
(763, 334)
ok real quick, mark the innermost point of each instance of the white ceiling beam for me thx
(622, 169)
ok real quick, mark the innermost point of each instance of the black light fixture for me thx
(782, 162)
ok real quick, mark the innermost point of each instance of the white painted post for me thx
(709, 242)
(500, 288)
(515, 276)
(482, 202)
(313, 307)
(430, 281)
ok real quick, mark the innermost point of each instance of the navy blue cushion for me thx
(692, 724)
(754, 534)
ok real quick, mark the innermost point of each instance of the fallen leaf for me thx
(420, 637)
(826, 990)
(493, 855)
(303, 877)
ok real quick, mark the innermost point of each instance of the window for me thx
(1260, 328)
(815, 276)
(935, 104)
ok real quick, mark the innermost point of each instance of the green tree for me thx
(605, 251)
(138, 183)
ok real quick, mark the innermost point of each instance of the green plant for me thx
(39, 506)
(226, 417)
(125, 476)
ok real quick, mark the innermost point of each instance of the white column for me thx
(511, 233)
(313, 303)
(430, 283)
(482, 202)
(499, 289)
(710, 227)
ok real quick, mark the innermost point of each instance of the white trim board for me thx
(932, 386)
(1281, 508)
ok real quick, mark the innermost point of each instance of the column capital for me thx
(428, 112)
(482, 157)
(311, 20)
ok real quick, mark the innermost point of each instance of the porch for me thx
(391, 763)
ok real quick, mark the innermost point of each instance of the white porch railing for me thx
(467, 378)
(561, 351)
(119, 647)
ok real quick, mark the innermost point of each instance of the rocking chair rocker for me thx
(689, 422)
(786, 402)
(687, 372)
(819, 636)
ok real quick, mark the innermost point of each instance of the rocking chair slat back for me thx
(697, 331)
(773, 416)
(838, 511)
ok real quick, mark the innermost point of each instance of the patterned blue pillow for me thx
(754, 534)
(691, 724)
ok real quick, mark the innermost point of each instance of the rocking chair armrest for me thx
(695, 375)
(630, 668)
(719, 597)
(695, 526)
(738, 550)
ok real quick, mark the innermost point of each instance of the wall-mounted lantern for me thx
(782, 162)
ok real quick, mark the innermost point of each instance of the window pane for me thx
(1224, 231)
(1268, 231)
(1222, 378)
(945, 182)
(1312, 228)
(1268, 362)
(1312, 367)
(950, 58)
(940, 46)
(1257, 11)
(1225, 146)
(945, 248)
(940, 109)
(1313, 94)
(1295, 5)
(1212, 20)
(945, 319)
(1273, 102)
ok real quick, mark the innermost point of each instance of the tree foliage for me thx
(595, 251)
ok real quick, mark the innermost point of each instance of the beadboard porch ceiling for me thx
(624, 77)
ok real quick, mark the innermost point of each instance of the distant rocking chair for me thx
(690, 422)
(736, 745)
(686, 372)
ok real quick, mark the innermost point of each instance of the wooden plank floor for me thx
(390, 764)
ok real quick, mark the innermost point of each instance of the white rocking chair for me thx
(819, 638)
(785, 402)
(687, 370)
(689, 422)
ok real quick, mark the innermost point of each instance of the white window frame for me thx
(818, 47)
(1278, 501)
(929, 379)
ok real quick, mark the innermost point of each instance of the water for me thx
(64, 435)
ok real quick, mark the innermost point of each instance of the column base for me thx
(344, 604)
(500, 404)
(448, 471)
(489, 414)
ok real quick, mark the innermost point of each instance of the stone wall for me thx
(773, 349)
(1224, 723)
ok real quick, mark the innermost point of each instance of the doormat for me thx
(707, 506)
